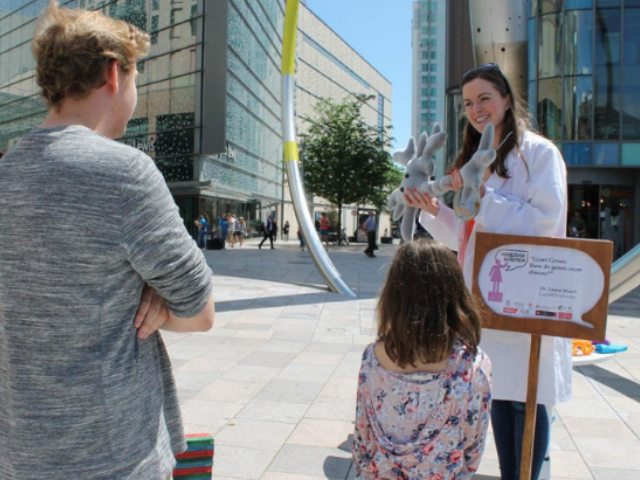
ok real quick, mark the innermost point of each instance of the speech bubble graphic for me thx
(512, 258)
(543, 282)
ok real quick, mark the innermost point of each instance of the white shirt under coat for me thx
(532, 204)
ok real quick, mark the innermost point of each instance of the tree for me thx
(346, 161)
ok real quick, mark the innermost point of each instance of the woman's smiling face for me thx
(484, 104)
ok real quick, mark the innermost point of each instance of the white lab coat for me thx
(533, 204)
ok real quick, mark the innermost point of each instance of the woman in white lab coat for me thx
(524, 192)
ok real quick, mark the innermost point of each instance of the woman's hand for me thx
(425, 202)
(152, 313)
(456, 179)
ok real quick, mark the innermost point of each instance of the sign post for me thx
(542, 286)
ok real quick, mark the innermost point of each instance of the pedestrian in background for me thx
(241, 231)
(231, 229)
(268, 230)
(203, 226)
(324, 229)
(223, 227)
(370, 228)
(86, 389)
(285, 231)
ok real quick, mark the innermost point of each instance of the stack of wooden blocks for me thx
(197, 462)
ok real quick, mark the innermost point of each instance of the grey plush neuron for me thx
(421, 167)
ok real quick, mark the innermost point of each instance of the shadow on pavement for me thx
(335, 467)
(627, 387)
(284, 301)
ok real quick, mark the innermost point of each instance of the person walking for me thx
(268, 229)
(275, 229)
(523, 192)
(285, 231)
(241, 231)
(424, 389)
(203, 225)
(324, 229)
(231, 229)
(86, 389)
(223, 227)
(370, 228)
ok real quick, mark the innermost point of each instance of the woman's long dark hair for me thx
(424, 305)
(514, 118)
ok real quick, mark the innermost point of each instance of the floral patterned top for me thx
(422, 426)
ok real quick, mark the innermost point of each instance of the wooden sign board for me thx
(545, 286)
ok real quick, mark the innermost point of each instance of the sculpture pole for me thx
(292, 157)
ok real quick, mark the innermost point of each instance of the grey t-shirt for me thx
(85, 222)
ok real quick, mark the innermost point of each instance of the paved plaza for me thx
(275, 380)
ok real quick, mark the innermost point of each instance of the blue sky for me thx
(380, 30)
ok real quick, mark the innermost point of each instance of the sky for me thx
(380, 31)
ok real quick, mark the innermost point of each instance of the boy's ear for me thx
(112, 76)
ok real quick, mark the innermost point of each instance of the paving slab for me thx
(275, 380)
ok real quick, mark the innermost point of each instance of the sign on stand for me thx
(542, 286)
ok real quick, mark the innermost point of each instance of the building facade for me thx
(584, 90)
(584, 94)
(429, 53)
(209, 94)
(328, 67)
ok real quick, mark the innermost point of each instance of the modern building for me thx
(208, 94)
(584, 94)
(429, 46)
(328, 67)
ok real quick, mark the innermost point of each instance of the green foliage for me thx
(332, 215)
(346, 161)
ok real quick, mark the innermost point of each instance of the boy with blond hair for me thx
(86, 390)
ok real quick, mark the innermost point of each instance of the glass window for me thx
(607, 78)
(606, 154)
(549, 47)
(576, 4)
(424, 104)
(547, 6)
(154, 27)
(578, 41)
(631, 154)
(549, 109)
(607, 3)
(532, 98)
(194, 21)
(425, 67)
(578, 101)
(176, 14)
(631, 79)
(533, 42)
(577, 153)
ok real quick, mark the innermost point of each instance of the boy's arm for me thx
(164, 255)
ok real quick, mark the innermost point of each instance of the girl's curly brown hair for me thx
(73, 48)
(424, 305)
